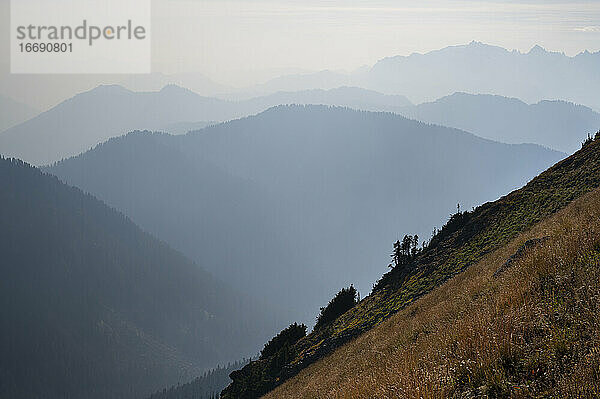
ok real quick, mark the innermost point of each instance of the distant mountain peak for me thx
(475, 43)
(109, 88)
(173, 88)
(587, 53)
(537, 49)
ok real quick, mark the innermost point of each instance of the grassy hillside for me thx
(522, 322)
(462, 242)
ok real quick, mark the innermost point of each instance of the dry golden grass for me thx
(533, 331)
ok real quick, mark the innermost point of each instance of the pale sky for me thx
(227, 39)
(240, 42)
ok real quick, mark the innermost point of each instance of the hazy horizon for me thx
(239, 43)
(233, 39)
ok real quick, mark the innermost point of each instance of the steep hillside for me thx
(522, 322)
(95, 308)
(554, 124)
(89, 118)
(298, 201)
(462, 242)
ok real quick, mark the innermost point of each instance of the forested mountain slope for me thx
(93, 307)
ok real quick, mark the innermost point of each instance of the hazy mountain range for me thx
(298, 201)
(555, 124)
(473, 68)
(481, 68)
(93, 307)
(343, 96)
(92, 117)
(46, 91)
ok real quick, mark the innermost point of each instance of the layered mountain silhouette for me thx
(555, 124)
(90, 118)
(93, 307)
(322, 80)
(343, 96)
(474, 68)
(185, 127)
(481, 68)
(297, 201)
(46, 91)
(93, 117)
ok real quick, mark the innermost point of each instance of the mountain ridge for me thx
(474, 67)
(481, 68)
(177, 110)
(511, 120)
(90, 284)
(94, 116)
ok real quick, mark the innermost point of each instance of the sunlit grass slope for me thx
(463, 242)
(526, 328)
